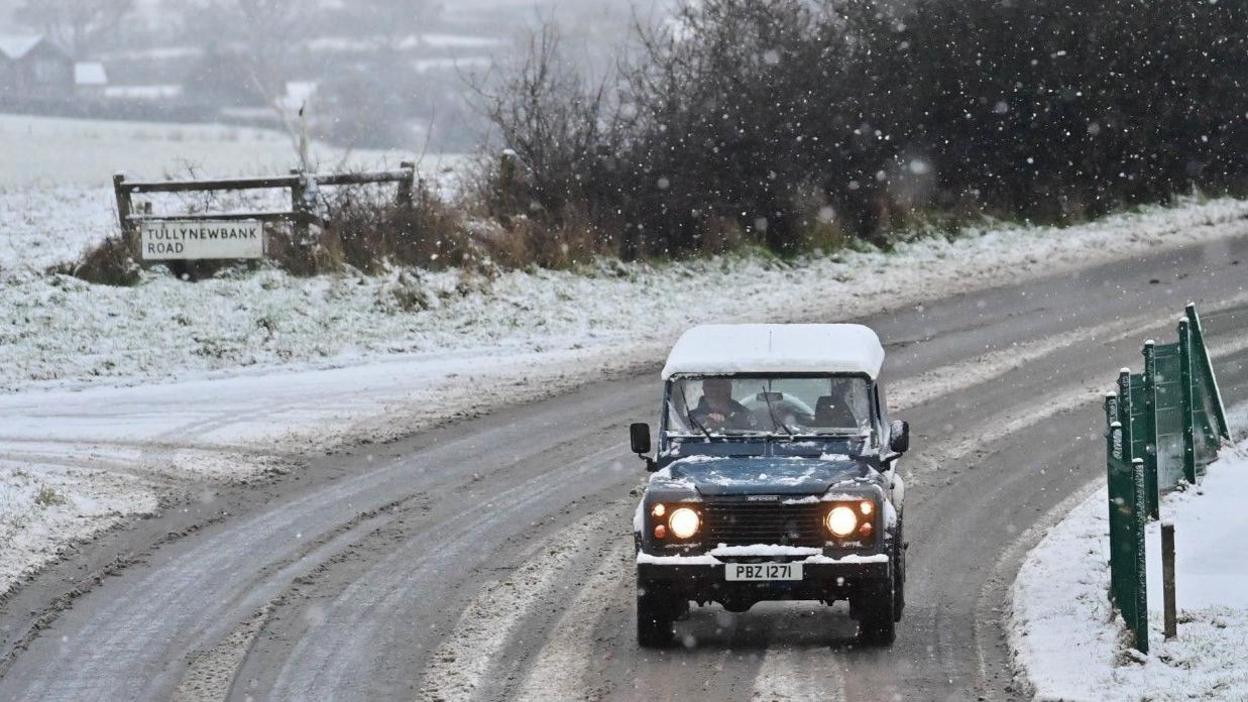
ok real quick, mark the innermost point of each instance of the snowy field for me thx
(171, 385)
(56, 196)
(60, 152)
(1070, 642)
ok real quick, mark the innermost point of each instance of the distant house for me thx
(33, 67)
(90, 79)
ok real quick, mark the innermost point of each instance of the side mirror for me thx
(899, 442)
(639, 439)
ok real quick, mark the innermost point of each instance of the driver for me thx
(718, 411)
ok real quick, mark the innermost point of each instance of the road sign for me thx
(190, 240)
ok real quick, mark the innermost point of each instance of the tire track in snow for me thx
(458, 669)
(559, 671)
(786, 675)
(334, 653)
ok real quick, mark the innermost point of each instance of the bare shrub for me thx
(527, 242)
(49, 497)
(557, 174)
(371, 232)
(109, 263)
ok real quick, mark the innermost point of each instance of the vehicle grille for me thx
(747, 523)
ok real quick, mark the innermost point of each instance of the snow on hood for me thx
(735, 475)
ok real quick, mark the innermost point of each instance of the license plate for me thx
(736, 572)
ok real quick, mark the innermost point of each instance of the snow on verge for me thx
(45, 507)
(55, 328)
(1071, 644)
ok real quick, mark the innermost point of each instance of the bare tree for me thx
(560, 126)
(77, 25)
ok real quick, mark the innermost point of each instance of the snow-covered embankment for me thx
(1071, 644)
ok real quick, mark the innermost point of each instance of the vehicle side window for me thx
(881, 403)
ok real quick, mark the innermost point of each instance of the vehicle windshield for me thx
(762, 405)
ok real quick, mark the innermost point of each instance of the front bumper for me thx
(702, 578)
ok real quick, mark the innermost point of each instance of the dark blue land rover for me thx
(775, 478)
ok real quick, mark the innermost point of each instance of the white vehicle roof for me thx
(727, 349)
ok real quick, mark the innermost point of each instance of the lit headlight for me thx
(842, 521)
(684, 523)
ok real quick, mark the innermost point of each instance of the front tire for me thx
(657, 610)
(875, 609)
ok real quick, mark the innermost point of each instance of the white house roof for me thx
(725, 349)
(90, 73)
(15, 46)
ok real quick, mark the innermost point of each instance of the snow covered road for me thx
(489, 559)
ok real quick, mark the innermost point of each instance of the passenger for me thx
(717, 411)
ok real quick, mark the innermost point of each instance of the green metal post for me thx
(1124, 412)
(1206, 367)
(1189, 402)
(1150, 429)
(1112, 454)
(1113, 463)
(1139, 570)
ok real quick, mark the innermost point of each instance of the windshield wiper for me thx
(771, 409)
(689, 415)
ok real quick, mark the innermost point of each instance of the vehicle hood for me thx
(736, 475)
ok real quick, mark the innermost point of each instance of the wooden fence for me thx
(302, 211)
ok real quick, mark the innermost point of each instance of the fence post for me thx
(1111, 408)
(407, 186)
(1139, 569)
(1125, 410)
(1167, 580)
(1113, 456)
(1201, 354)
(1189, 402)
(509, 185)
(299, 206)
(1150, 429)
(122, 193)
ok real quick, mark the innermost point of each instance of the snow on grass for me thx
(45, 507)
(44, 227)
(56, 328)
(1072, 645)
